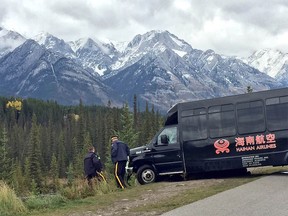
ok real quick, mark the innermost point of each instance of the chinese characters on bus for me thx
(247, 143)
(258, 142)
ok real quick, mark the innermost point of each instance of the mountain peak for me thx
(55, 44)
(155, 33)
(10, 34)
(269, 61)
(3, 31)
(90, 44)
(158, 39)
(41, 37)
(9, 40)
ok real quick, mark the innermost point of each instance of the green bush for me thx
(45, 201)
(105, 187)
(76, 190)
(80, 189)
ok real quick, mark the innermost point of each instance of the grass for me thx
(47, 201)
(10, 204)
(106, 195)
(103, 201)
(91, 203)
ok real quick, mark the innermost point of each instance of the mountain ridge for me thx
(157, 66)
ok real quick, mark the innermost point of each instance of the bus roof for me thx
(172, 113)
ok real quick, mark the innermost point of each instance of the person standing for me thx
(92, 166)
(119, 155)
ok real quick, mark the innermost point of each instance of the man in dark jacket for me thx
(92, 166)
(119, 155)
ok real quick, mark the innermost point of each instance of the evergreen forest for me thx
(43, 142)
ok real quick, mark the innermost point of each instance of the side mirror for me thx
(164, 139)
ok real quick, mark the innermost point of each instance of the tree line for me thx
(42, 141)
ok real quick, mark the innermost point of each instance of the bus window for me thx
(195, 126)
(250, 117)
(277, 113)
(221, 121)
(171, 133)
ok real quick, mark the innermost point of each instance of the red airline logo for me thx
(247, 143)
(221, 146)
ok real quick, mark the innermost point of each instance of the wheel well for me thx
(137, 165)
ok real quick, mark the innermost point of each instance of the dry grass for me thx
(147, 200)
(10, 204)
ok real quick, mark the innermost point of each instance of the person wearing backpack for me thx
(93, 166)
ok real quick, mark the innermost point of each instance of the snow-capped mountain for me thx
(54, 44)
(152, 42)
(157, 66)
(268, 61)
(33, 71)
(9, 40)
(164, 70)
(94, 55)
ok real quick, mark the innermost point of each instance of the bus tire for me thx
(146, 175)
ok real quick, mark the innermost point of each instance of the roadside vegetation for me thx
(9, 202)
(105, 198)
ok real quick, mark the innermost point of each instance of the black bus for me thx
(227, 133)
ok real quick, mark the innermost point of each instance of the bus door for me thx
(167, 152)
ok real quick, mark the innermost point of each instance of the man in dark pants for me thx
(119, 155)
(92, 166)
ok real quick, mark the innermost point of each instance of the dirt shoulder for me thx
(155, 199)
(149, 200)
(166, 191)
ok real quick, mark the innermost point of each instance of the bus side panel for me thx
(253, 150)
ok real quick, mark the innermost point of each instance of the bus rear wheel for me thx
(146, 175)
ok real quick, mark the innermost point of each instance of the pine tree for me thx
(18, 180)
(34, 154)
(135, 113)
(70, 174)
(5, 161)
(54, 172)
(153, 121)
(75, 152)
(159, 120)
(27, 176)
(45, 148)
(81, 128)
(62, 156)
(107, 131)
(78, 166)
(128, 133)
(87, 142)
(147, 126)
(249, 89)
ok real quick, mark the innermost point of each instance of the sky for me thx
(229, 27)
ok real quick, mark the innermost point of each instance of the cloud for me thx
(229, 27)
(269, 15)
